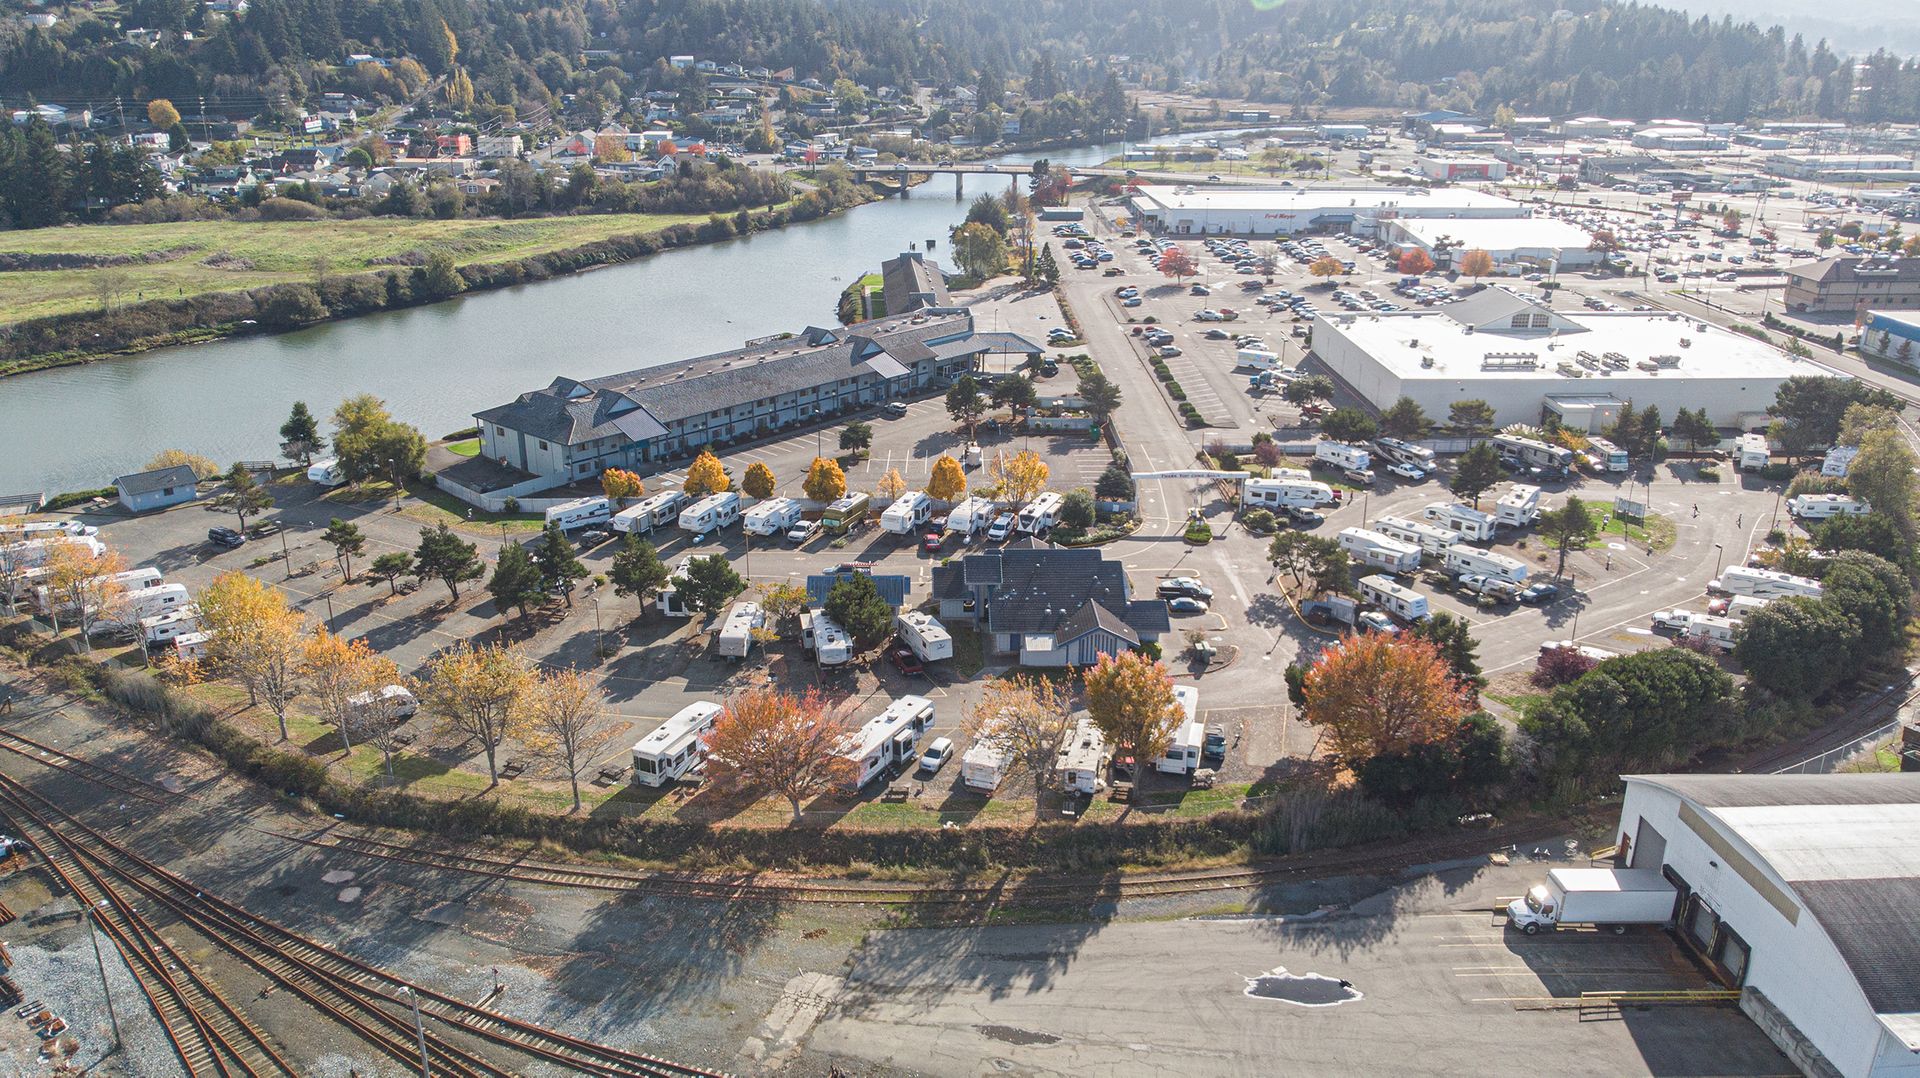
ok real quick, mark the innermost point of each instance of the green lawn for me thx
(467, 448)
(1658, 530)
(257, 253)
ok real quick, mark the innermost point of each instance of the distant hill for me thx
(1860, 27)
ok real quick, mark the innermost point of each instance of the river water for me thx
(78, 427)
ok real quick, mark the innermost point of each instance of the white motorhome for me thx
(1081, 764)
(1428, 538)
(668, 597)
(1466, 560)
(972, 515)
(327, 473)
(1281, 493)
(1375, 550)
(820, 634)
(34, 553)
(925, 635)
(1839, 461)
(888, 738)
(985, 764)
(908, 512)
(1463, 520)
(652, 512)
(1403, 452)
(1040, 514)
(1519, 506)
(772, 517)
(1719, 631)
(1394, 597)
(1753, 452)
(1763, 583)
(1257, 358)
(736, 633)
(674, 747)
(1611, 457)
(580, 512)
(1532, 451)
(711, 513)
(1189, 738)
(161, 628)
(1825, 506)
(1341, 455)
(130, 608)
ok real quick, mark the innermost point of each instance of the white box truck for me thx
(1257, 358)
(923, 633)
(1343, 456)
(1518, 507)
(327, 473)
(736, 633)
(1763, 583)
(579, 513)
(1040, 514)
(652, 512)
(674, 747)
(1394, 597)
(908, 512)
(972, 515)
(772, 517)
(1605, 897)
(984, 764)
(711, 513)
(1189, 738)
(1825, 506)
(1280, 493)
(1428, 538)
(1463, 520)
(1466, 560)
(1377, 551)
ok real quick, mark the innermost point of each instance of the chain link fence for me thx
(1830, 761)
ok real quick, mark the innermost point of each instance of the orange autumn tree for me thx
(1378, 693)
(768, 742)
(1416, 262)
(1130, 698)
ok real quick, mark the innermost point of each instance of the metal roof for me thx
(159, 479)
(893, 588)
(1742, 791)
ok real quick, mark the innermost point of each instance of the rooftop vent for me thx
(1510, 361)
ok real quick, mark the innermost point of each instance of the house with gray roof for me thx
(143, 492)
(910, 282)
(1042, 605)
(573, 429)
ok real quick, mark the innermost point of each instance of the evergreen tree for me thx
(559, 566)
(300, 435)
(516, 580)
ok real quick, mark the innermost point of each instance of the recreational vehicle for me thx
(925, 635)
(711, 513)
(191, 647)
(668, 597)
(161, 628)
(972, 515)
(1428, 538)
(846, 514)
(130, 608)
(327, 473)
(1041, 513)
(1825, 506)
(1377, 551)
(46, 602)
(1763, 583)
(1464, 521)
(1533, 452)
(736, 633)
(1518, 507)
(1189, 738)
(1343, 456)
(1610, 457)
(1401, 452)
(389, 702)
(1081, 764)
(580, 512)
(888, 738)
(1394, 597)
(47, 529)
(674, 747)
(772, 517)
(1465, 560)
(1715, 630)
(1753, 451)
(652, 512)
(908, 512)
(985, 764)
(1282, 493)
(820, 634)
(34, 553)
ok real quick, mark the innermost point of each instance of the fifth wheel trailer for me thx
(925, 635)
(1485, 563)
(772, 517)
(736, 633)
(888, 738)
(908, 511)
(1464, 520)
(674, 747)
(579, 513)
(1428, 538)
(1614, 897)
(1377, 551)
(1277, 493)
(661, 508)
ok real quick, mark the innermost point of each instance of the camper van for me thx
(925, 635)
(1350, 458)
(711, 513)
(1466, 560)
(772, 517)
(580, 512)
(1763, 583)
(736, 633)
(163, 628)
(972, 515)
(820, 634)
(1281, 493)
(1518, 507)
(888, 738)
(1393, 597)
(1428, 538)
(1377, 551)
(191, 647)
(1080, 767)
(674, 747)
(1041, 513)
(1611, 457)
(1825, 506)
(908, 512)
(846, 514)
(1189, 738)
(1463, 520)
(327, 473)
(668, 597)
(1533, 452)
(985, 764)
(1753, 451)
(650, 513)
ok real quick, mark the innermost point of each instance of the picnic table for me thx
(512, 769)
(613, 771)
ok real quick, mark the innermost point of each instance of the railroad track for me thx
(369, 1000)
(1030, 891)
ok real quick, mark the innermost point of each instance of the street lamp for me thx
(419, 1030)
(393, 471)
(599, 638)
(1718, 553)
(328, 595)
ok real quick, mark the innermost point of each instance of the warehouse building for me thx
(1800, 891)
(1535, 242)
(1462, 169)
(1892, 336)
(1183, 210)
(1839, 167)
(1529, 361)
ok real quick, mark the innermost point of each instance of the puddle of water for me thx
(1302, 989)
(1011, 1035)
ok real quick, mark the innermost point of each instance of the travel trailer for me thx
(579, 513)
(674, 747)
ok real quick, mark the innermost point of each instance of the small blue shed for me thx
(144, 492)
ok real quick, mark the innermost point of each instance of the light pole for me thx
(93, 932)
(285, 556)
(393, 471)
(328, 595)
(419, 1031)
(1718, 553)
(599, 638)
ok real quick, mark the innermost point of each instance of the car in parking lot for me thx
(1491, 587)
(1001, 527)
(1411, 472)
(1130, 301)
(803, 531)
(933, 541)
(1540, 593)
(936, 756)
(1373, 621)
(593, 537)
(1215, 746)
(1185, 604)
(225, 537)
(1217, 334)
(1176, 586)
(905, 661)
(896, 408)
(1168, 351)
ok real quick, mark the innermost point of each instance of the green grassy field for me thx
(256, 253)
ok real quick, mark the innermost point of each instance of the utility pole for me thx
(93, 932)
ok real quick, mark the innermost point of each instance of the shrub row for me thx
(79, 497)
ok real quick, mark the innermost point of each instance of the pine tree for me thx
(516, 580)
(300, 435)
(559, 566)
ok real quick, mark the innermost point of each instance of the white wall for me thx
(1796, 965)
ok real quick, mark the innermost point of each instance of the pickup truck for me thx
(1672, 620)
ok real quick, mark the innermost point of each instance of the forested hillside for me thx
(1551, 56)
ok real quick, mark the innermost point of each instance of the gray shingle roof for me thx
(1095, 616)
(911, 281)
(1872, 924)
(1836, 270)
(1066, 592)
(159, 479)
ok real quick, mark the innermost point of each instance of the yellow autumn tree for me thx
(948, 481)
(706, 476)
(162, 114)
(891, 485)
(825, 480)
(1022, 476)
(254, 638)
(620, 484)
(1130, 698)
(81, 582)
(759, 481)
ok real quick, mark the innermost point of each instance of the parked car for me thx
(1187, 605)
(593, 537)
(225, 537)
(1411, 472)
(1304, 516)
(936, 756)
(1215, 746)
(1130, 301)
(905, 661)
(1001, 527)
(803, 531)
(933, 541)
(1540, 593)
(1175, 586)
(896, 408)
(1373, 621)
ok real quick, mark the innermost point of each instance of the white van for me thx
(711, 513)
(908, 512)
(674, 747)
(1257, 359)
(579, 513)
(327, 473)
(772, 517)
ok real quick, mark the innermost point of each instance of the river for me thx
(77, 427)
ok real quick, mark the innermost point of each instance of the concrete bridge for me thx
(960, 170)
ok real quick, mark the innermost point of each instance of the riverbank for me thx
(298, 274)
